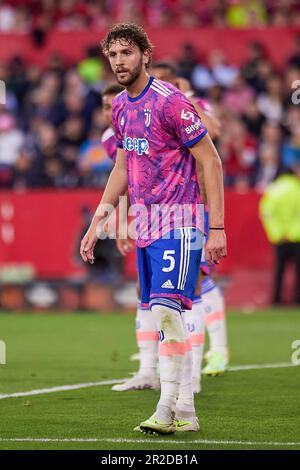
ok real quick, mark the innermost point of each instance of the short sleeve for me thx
(182, 119)
(115, 122)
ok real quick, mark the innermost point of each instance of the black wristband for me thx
(216, 228)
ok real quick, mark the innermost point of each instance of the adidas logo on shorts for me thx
(168, 285)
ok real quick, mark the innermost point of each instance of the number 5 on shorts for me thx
(168, 257)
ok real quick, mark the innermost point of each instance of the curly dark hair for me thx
(132, 33)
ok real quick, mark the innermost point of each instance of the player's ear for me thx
(146, 58)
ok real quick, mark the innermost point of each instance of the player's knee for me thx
(167, 314)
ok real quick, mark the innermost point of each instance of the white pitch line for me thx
(154, 440)
(65, 388)
(275, 365)
(62, 388)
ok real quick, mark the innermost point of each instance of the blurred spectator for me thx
(291, 149)
(280, 214)
(42, 103)
(238, 150)
(291, 118)
(98, 15)
(271, 134)
(11, 100)
(246, 13)
(291, 83)
(11, 142)
(239, 96)
(270, 103)
(187, 61)
(17, 80)
(7, 17)
(294, 60)
(91, 68)
(223, 73)
(71, 15)
(256, 54)
(202, 78)
(253, 119)
(47, 167)
(22, 22)
(264, 72)
(22, 177)
(269, 161)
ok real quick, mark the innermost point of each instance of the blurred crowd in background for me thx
(23, 16)
(52, 122)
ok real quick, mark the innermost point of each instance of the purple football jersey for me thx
(156, 129)
(109, 142)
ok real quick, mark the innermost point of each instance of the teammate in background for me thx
(108, 139)
(156, 146)
(166, 72)
(209, 305)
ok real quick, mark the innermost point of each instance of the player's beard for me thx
(133, 75)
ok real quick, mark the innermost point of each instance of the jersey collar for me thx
(143, 92)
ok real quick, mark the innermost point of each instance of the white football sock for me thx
(147, 338)
(185, 407)
(195, 324)
(171, 353)
(214, 314)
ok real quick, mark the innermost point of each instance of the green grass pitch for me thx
(246, 409)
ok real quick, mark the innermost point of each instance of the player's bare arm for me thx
(207, 156)
(116, 187)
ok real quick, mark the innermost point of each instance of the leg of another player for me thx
(195, 324)
(281, 261)
(215, 322)
(147, 338)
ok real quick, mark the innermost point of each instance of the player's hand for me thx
(87, 247)
(215, 248)
(107, 229)
(124, 246)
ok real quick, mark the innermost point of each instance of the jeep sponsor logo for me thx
(139, 145)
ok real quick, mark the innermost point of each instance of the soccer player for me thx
(147, 335)
(158, 133)
(209, 310)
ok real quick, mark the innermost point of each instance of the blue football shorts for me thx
(169, 267)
